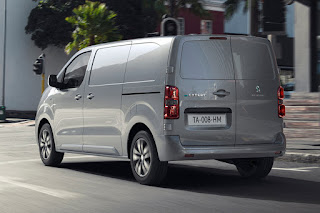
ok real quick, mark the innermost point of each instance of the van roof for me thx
(165, 39)
(138, 40)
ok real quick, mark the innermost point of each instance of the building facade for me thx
(213, 24)
(22, 88)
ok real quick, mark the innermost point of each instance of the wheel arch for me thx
(41, 123)
(133, 131)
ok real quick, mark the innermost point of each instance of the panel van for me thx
(161, 99)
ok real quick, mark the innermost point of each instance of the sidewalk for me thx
(298, 150)
(302, 150)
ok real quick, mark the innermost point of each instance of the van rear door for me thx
(207, 93)
(257, 83)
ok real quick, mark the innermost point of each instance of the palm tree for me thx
(233, 5)
(94, 24)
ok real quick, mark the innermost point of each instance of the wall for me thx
(193, 22)
(239, 21)
(302, 47)
(22, 86)
(290, 20)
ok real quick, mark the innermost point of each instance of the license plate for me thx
(217, 120)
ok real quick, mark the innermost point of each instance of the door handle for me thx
(90, 96)
(221, 93)
(78, 97)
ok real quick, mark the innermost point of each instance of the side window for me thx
(109, 65)
(76, 70)
(143, 62)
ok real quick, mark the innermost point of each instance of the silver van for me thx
(155, 100)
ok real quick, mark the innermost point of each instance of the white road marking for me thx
(31, 144)
(300, 169)
(38, 159)
(18, 161)
(44, 190)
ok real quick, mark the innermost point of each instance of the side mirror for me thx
(72, 83)
(53, 82)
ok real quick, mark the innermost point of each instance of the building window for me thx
(206, 27)
(181, 26)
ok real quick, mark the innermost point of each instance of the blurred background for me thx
(29, 28)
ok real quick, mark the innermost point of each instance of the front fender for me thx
(44, 112)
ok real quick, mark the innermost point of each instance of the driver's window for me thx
(76, 70)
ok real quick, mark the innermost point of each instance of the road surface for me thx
(97, 184)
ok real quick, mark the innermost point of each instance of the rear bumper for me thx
(170, 149)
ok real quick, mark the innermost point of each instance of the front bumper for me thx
(170, 149)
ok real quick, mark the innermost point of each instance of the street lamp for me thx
(2, 106)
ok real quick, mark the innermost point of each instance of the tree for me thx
(233, 5)
(47, 25)
(135, 18)
(173, 7)
(94, 24)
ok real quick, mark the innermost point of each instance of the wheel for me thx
(254, 168)
(145, 164)
(47, 148)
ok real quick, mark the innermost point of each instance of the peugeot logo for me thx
(258, 89)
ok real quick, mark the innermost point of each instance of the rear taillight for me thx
(281, 107)
(281, 110)
(280, 93)
(171, 103)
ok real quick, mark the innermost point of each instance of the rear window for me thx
(210, 59)
(252, 59)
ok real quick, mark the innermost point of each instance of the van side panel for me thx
(102, 101)
(143, 88)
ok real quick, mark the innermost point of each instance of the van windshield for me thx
(207, 60)
(252, 59)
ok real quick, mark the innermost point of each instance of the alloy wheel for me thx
(45, 144)
(141, 157)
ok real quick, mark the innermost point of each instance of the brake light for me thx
(280, 93)
(218, 38)
(281, 110)
(171, 102)
(281, 107)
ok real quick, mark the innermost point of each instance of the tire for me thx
(47, 148)
(145, 164)
(256, 168)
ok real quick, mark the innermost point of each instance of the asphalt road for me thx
(98, 184)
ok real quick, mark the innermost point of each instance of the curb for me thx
(18, 123)
(300, 157)
(21, 114)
